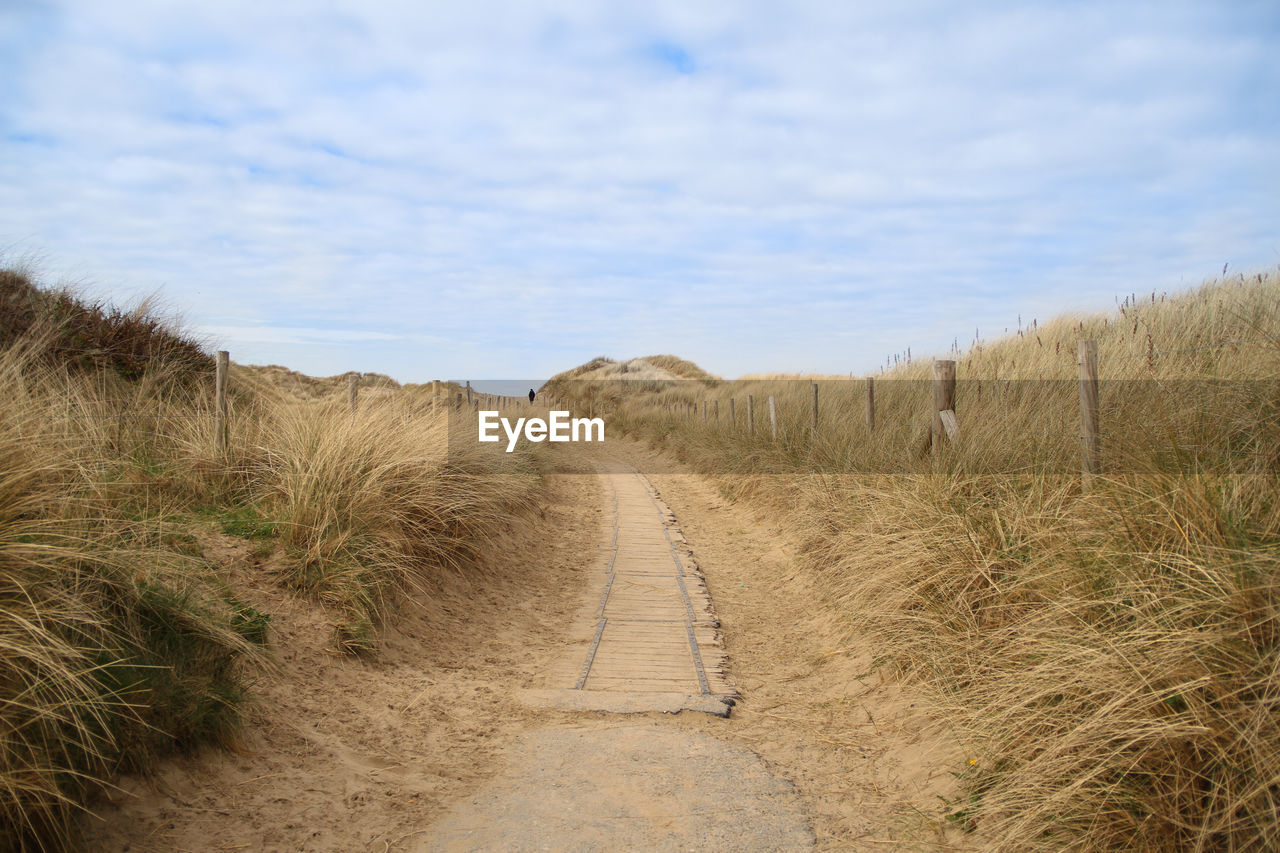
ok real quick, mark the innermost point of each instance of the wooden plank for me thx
(951, 425)
(665, 656)
(606, 659)
(649, 682)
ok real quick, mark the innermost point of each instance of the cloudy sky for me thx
(475, 189)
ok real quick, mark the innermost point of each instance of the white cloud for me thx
(520, 187)
(293, 335)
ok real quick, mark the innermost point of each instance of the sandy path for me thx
(627, 787)
(652, 642)
(654, 646)
(428, 743)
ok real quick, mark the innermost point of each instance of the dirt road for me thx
(453, 737)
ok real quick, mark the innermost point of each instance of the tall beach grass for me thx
(120, 639)
(1109, 658)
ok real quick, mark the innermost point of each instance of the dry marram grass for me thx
(119, 639)
(1111, 659)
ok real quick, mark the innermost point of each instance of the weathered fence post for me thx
(221, 422)
(704, 410)
(944, 399)
(1090, 442)
(459, 402)
(353, 388)
(716, 406)
(751, 414)
(814, 425)
(733, 421)
(468, 392)
(871, 405)
(773, 417)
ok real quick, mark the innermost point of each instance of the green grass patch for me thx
(243, 521)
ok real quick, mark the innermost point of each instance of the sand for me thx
(429, 746)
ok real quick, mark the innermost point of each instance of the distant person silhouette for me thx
(531, 395)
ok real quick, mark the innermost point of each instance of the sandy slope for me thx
(344, 754)
(348, 755)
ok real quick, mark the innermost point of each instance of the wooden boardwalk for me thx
(654, 641)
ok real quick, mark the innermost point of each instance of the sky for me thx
(490, 190)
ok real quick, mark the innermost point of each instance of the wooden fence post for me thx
(773, 417)
(751, 414)
(814, 426)
(468, 392)
(1090, 441)
(716, 406)
(459, 402)
(944, 399)
(871, 405)
(733, 421)
(704, 410)
(353, 388)
(221, 422)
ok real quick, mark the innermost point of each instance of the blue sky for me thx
(499, 190)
